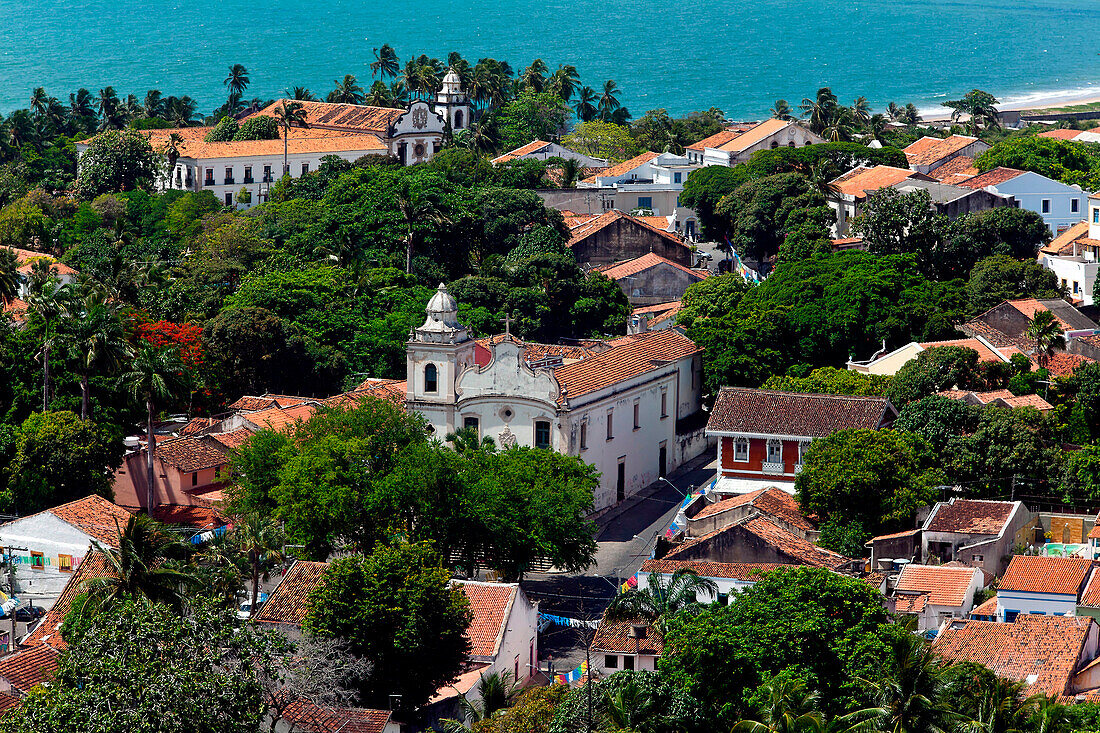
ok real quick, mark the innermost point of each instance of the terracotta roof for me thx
(991, 178)
(910, 603)
(191, 454)
(195, 516)
(26, 669)
(288, 603)
(799, 550)
(657, 222)
(532, 147)
(615, 636)
(233, 439)
(25, 258)
(252, 404)
(299, 142)
(17, 309)
(770, 412)
(657, 308)
(751, 137)
(1028, 400)
(647, 261)
(1041, 651)
(7, 701)
(196, 425)
(465, 682)
(928, 150)
(771, 500)
(1040, 574)
(985, 353)
(94, 565)
(532, 351)
(1091, 595)
(582, 231)
(961, 167)
(574, 220)
(94, 516)
(345, 117)
(986, 608)
(716, 140)
(1062, 364)
(1060, 134)
(490, 606)
(945, 586)
(707, 569)
(970, 516)
(896, 535)
(393, 390)
(860, 181)
(281, 420)
(646, 352)
(623, 168)
(309, 718)
(1063, 243)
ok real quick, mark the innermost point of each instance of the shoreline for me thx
(1056, 101)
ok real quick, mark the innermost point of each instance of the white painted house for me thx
(1037, 584)
(51, 544)
(614, 403)
(1074, 255)
(649, 184)
(542, 150)
(933, 594)
(736, 145)
(1060, 205)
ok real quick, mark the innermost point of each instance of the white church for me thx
(614, 403)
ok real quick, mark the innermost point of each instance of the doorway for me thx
(662, 461)
(620, 482)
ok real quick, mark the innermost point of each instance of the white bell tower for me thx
(451, 103)
(435, 355)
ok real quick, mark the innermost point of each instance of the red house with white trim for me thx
(763, 435)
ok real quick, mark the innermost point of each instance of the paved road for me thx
(626, 536)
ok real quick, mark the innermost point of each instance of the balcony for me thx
(772, 469)
(208, 182)
(248, 179)
(229, 181)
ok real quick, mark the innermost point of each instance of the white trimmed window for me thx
(775, 451)
(741, 449)
(803, 449)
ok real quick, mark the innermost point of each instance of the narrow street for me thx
(626, 536)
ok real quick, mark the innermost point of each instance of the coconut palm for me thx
(861, 111)
(302, 94)
(94, 340)
(39, 102)
(172, 154)
(629, 709)
(379, 95)
(876, 125)
(9, 275)
(1047, 334)
(289, 114)
(570, 172)
(385, 62)
(110, 110)
(153, 375)
(347, 91)
(564, 82)
(1001, 708)
(909, 114)
(791, 708)
(660, 601)
(47, 303)
(820, 109)
(138, 570)
(841, 126)
(238, 80)
(262, 541)
(181, 111)
(609, 100)
(781, 110)
(496, 691)
(534, 76)
(412, 76)
(586, 104)
(1048, 715)
(81, 104)
(153, 106)
(893, 112)
(416, 208)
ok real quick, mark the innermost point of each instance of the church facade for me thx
(615, 404)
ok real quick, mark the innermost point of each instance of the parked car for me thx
(26, 614)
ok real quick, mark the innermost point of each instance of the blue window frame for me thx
(645, 202)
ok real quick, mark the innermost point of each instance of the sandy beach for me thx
(1036, 101)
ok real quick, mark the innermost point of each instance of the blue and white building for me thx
(1041, 585)
(1060, 205)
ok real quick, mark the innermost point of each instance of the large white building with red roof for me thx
(616, 404)
(737, 144)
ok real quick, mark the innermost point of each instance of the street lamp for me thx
(662, 478)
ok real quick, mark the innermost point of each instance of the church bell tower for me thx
(452, 104)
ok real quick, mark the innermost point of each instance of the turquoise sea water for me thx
(738, 55)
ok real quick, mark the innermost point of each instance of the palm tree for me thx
(412, 76)
(660, 601)
(180, 111)
(570, 172)
(1048, 714)
(564, 82)
(534, 76)
(153, 106)
(496, 691)
(81, 104)
(876, 125)
(379, 95)
(841, 126)
(110, 113)
(385, 62)
(172, 154)
(416, 206)
(609, 100)
(39, 102)
(9, 275)
(1001, 708)
(861, 111)
(302, 94)
(95, 340)
(47, 303)
(347, 91)
(262, 541)
(909, 114)
(289, 114)
(820, 110)
(586, 104)
(781, 110)
(911, 700)
(629, 709)
(154, 375)
(1047, 334)
(893, 112)
(238, 80)
(792, 708)
(138, 570)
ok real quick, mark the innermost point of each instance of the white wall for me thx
(1077, 274)
(1047, 604)
(47, 534)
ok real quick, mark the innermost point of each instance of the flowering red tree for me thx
(186, 336)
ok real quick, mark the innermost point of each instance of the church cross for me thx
(507, 325)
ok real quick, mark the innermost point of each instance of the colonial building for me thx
(648, 185)
(452, 104)
(616, 403)
(615, 236)
(1074, 255)
(1005, 324)
(630, 645)
(542, 150)
(652, 279)
(736, 145)
(850, 191)
(1035, 584)
(1060, 204)
(764, 434)
(888, 363)
(976, 532)
(929, 153)
(933, 594)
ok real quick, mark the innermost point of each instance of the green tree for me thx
(1001, 277)
(876, 477)
(532, 711)
(47, 303)
(140, 570)
(385, 62)
(629, 700)
(94, 341)
(261, 540)
(59, 458)
(226, 130)
(238, 80)
(260, 127)
(602, 139)
(116, 160)
(791, 708)
(659, 601)
(289, 114)
(1047, 334)
(979, 106)
(396, 609)
(530, 116)
(347, 91)
(830, 380)
(711, 297)
(9, 275)
(892, 222)
(703, 190)
(937, 419)
(756, 212)
(934, 370)
(1081, 476)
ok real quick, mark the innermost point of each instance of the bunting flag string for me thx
(740, 267)
(573, 623)
(571, 677)
(631, 582)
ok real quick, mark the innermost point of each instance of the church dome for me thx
(442, 321)
(441, 303)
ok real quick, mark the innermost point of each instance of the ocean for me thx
(683, 55)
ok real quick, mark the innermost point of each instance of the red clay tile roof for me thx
(8, 701)
(991, 178)
(289, 602)
(25, 258)
(770, 412)
(1062, 364)
(1060, 134)
(94, 516)
(532, 352)
(28, 668)
(986, 608)
(959, 168)
(194, 516)
(707, 569)
(309, 718)
(647, 261)
(623, 168)
(281, 420)
(642, 354)
(252, 404)
(94, 565)
(393, 390)
(860, 181)
(615, 636)
(1039, 574)
(345, 117)
(532, 147)
(970, 516)
(1041, 651)
(232, 440)
(658, 308)
(799, 550)
(944, 586)
(772, 500)
(752, 136)
(896, 535)
(197, 425)
(1090, 597)
(716, 140)
(928, 150)
(587, 228)
(1063, 243)
(191, 454)
(985, 354)
(1029, 400)
(300, 141)
(910, 602)
(490, 606)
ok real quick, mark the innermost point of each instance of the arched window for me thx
(458, 119)
(431, 378)
(790, 144)
(774, 145)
